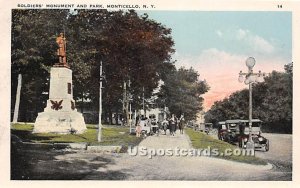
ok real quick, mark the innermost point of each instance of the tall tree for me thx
(182, 91)
(132, 47)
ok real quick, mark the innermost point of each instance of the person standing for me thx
(181, 124)
(149, 125)
(176, 124)
(138, 129)
(172, 125)
(165, 125)
(141, 124)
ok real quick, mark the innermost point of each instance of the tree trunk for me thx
(110, 116)
(117, 118)
(17, 104)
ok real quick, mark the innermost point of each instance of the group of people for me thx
(142, 122)
(172, 123)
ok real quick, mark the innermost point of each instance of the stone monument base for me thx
(59, 122)
(60, 115)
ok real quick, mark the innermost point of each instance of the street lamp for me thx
(250, 78)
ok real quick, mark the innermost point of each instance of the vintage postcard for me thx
(149, 93)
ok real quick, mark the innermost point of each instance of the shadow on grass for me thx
(36, 162)
(28, 136)
(110, 136)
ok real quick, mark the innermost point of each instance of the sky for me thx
(217, 44)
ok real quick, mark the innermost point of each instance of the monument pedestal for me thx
(60, 115)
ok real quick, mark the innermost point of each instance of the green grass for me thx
(202, 141)
(22, 127)
(111, 135)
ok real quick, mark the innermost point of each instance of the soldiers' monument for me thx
(60, 115)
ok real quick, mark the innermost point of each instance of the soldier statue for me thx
(61, 51)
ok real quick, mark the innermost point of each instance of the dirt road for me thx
(60, 164)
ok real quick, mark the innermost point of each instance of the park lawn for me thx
(202, 141)
(111, 135)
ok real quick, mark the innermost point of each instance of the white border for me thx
(203, 5)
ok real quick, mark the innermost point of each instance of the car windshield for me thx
(254, 124)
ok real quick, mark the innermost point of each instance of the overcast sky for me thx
(217, 44)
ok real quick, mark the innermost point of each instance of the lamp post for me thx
(144, 101)
(250, 78)
(100, 104)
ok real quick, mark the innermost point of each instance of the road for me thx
(280, 153)
(48, 163)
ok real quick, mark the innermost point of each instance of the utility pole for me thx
(100, 105)
(144, 101)
(130, 99)
(125, 99)
(17, 104)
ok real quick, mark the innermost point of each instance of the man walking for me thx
(172, 125)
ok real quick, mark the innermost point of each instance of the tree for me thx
(233, 107)
(139, 48)
(130, 46)
(272, 103)
(182, 91)
(277, 103)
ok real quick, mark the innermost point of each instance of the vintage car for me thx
(237, 132)
(196, 126)
(260, 142)
(208, 128)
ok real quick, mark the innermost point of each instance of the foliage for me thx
(33, 51)
(272, 103)
(130, 47)
(182, 91)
